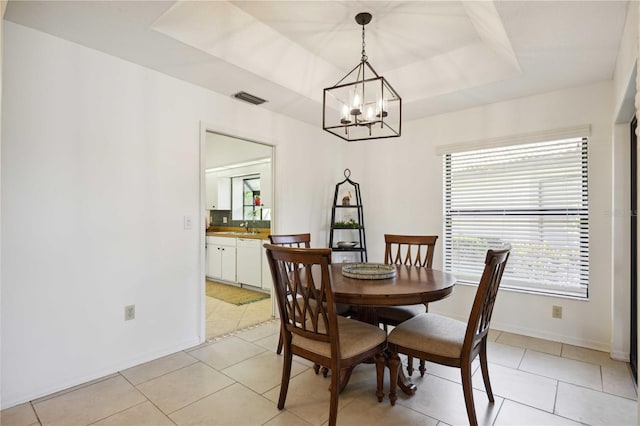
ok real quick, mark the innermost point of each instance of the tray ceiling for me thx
(439, 55)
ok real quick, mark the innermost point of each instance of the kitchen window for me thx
(533, 196)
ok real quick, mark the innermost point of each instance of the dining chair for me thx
(301, 241)
(447, 341)
(412, 250)
(312, 329)
(290, 240)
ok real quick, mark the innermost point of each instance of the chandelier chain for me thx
(364, 55)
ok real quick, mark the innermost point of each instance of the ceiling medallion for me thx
(359, 106)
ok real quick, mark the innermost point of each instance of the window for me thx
(246, 201)
(532, 196)
(251, 200)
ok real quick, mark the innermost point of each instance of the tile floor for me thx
(235, 380)
(224, 318)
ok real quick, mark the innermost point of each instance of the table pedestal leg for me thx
(368, 314)
(405, 383)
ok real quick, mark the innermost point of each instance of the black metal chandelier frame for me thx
(353, 114)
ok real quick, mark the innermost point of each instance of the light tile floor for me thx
(235, 380)
(223, 318)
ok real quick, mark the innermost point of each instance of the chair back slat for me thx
(302, 285)
(484, 301)
(291, 240)
(413, 250)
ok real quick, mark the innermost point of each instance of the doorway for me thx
(633, 356)
(238, 198)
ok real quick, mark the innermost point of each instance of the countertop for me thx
(235, 232)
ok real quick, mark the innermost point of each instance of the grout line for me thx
(498, 412)
(240, 330)
(123, 410)
(198, 400)
(35, 412)
(74, 388)
(522, 359)
(555, 397)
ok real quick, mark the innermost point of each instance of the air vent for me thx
(247, 97)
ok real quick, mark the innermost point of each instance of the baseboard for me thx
(620, 356)
(555, 337)
(9, 401)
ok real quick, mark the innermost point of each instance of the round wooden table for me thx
(411, 285)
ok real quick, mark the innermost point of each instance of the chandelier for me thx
(362, 105)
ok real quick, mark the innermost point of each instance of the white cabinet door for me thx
(214, 264)
(221, 258)
(249, 262)
(213, 259)
(228, 263)
(267, 282)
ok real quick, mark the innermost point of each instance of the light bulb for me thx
(356, 111)
(345, 115)
(370, 114)
(382, 108)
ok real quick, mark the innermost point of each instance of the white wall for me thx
(404, 189)
(100, 163)
(3, 7)
(626, 60)
(623, 110)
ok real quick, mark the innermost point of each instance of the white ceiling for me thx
(439, 55)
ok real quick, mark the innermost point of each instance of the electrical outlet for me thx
(129, 312)
(224, 219)
(556, 312)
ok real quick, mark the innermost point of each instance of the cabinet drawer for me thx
(249, 242)
(221, 241)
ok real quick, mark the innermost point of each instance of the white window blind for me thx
(533, 197)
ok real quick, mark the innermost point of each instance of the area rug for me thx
(232, 294)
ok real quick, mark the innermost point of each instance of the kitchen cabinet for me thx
(221, 258)
(267, 282)
(249, 261)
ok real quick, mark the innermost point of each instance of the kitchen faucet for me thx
(246, 226)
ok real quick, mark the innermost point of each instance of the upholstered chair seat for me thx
(450, 342)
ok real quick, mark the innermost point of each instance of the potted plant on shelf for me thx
(347, 224)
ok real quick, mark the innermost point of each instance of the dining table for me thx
(411, 285)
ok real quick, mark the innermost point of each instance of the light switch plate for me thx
(129, 312)
(188, 222)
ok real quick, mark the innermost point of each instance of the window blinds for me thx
(533, 197)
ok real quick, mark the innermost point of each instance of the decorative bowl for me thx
(346, 244)
(369, 271)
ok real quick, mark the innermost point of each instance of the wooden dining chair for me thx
(290, 240)
(302, 241)
(413, 250)
(311, 327)
(447, 341)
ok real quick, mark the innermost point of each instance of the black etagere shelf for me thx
(346, 228)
